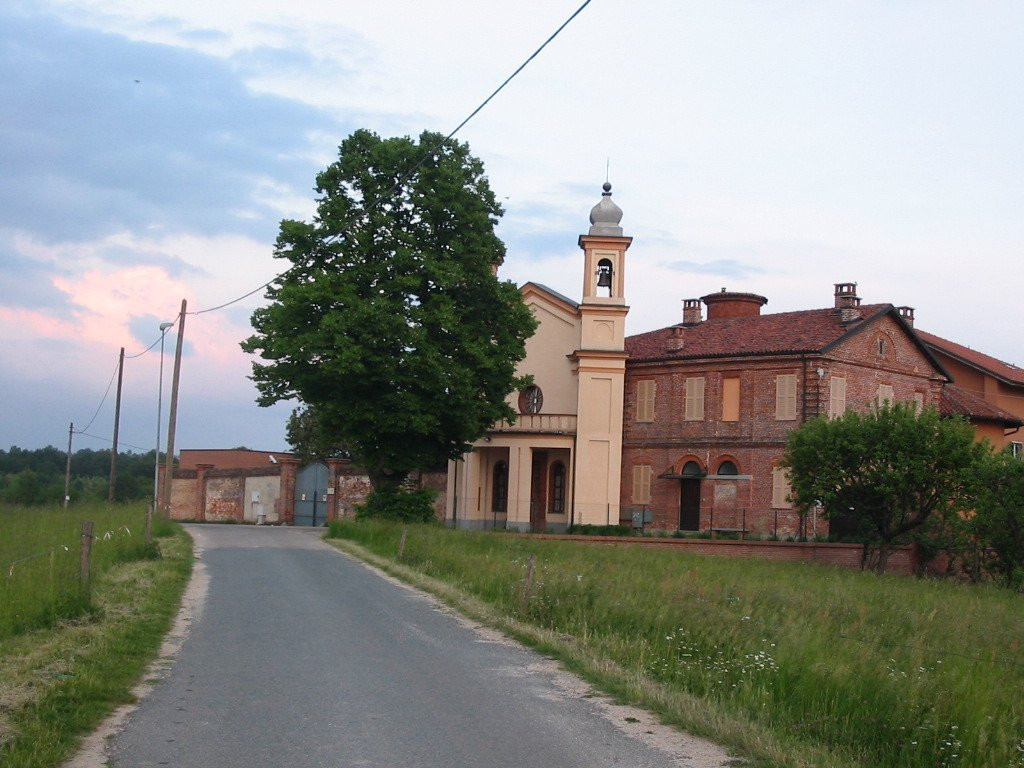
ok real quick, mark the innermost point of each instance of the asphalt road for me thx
(301, 657)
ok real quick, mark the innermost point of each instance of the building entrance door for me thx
(538, 491)
(689, 504)
(311, 495)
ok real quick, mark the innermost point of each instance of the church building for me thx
(558, 463)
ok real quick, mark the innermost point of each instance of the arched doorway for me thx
(689, 496)
(311, 495)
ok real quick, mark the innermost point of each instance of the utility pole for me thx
(67, 467)
(117, 422)
(165, 491)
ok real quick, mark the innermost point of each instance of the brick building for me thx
(709, 402)
(987, 391)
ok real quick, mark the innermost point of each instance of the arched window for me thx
(728, 467)
(499, 488)
(692, 469)
(557, 488)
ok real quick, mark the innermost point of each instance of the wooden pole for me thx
(67, 467)
(401, 543)
(149, 524)
(117, 422)
(86, 557)
(165, 491)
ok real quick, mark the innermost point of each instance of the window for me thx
(642, 484)
(836, 397)
(785, 397)
(645, 399)
(731, 399)
(780, 489)
(918, 402)
(557, 499)
(499, 487)
(885, 395)
(694, 399)
(1017, 450)
(531, 399)
(880, 346)
(728, 467)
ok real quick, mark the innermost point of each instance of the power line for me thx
(430, 151)
(102, 401)
(107, 440)
(140, 354)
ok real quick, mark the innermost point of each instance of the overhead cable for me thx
(430, 151)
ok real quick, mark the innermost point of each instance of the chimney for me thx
(675, 341)
(907, 313)
(691, 312)
(726, 305)
(847, 302)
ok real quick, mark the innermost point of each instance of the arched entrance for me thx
(689, 496)
(311, 495)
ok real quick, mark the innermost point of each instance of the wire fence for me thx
(48, 559)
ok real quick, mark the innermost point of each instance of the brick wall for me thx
(901, 559)
(756, 441)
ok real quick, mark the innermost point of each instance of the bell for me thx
(604, 276)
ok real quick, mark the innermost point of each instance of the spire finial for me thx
(606, 215)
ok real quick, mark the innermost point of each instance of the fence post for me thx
(401, 543)
(524, 602)
(149, 524)
(86, 557)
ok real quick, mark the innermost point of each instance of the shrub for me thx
(600, 530)
(399, 504)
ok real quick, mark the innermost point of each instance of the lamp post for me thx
(159, 407)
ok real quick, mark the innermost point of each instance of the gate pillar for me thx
(333, 473)
(286, 499)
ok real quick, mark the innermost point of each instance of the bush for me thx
(601, 530)
(399, 504)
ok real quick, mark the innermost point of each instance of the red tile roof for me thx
(781, 333)
(1006, 371)
(957, 401)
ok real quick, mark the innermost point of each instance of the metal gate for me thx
(311, 495)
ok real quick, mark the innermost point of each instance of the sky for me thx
(149, 150)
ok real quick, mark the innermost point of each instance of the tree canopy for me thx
(390, 322)
(889, 469)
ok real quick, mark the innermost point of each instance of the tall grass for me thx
(877, 671)
(40, 557)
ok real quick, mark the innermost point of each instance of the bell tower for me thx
(600, 365)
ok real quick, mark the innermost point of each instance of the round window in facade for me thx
(531, 399)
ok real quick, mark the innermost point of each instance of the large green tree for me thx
(891, 469)
(998, 521)
(390, 322)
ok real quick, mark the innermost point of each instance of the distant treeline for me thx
(37, 476)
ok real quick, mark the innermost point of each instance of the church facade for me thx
(558, 464)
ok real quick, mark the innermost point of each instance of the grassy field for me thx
(39, 558)
(65, 663)
(789, 664)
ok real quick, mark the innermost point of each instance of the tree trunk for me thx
(386, 479)
(882, 556)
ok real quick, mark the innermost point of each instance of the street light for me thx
(159, 406)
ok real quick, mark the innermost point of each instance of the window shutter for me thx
(780, 489)
(785, 397)
(836, 397)
(694, 399)
(730, 399)
(885, 394)
(645, 399)
(642, 484)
